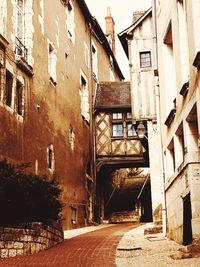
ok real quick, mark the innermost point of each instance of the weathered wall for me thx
(144, 100)
(143, 95)
(177, 48)
(52, 100)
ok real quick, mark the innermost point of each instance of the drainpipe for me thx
(92, 129)
(129, 38)
(158, 112)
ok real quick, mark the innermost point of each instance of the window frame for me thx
(52, 64)
(84, 94)
(70, 19)
(19, 97)
(8, 94)
(73, 215)
(50, 158)
(146, 59)
(117, 131)
(122, 118)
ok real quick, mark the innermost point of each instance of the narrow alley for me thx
(99, 133)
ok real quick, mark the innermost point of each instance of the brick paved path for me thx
(94, 249)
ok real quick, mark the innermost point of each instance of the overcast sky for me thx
(122, 14)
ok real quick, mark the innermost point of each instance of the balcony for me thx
(20, 49)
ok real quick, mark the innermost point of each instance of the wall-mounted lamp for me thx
(141, 130)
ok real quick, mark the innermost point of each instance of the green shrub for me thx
(27, 197)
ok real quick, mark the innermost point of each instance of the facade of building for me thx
(178, 35)
(52, 55)
(139, 45)
(117, 146)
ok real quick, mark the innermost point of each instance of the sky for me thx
(122, 14)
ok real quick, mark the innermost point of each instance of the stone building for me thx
(52, 55)
(139, 45)
(178, 35)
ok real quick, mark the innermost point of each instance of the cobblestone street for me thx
(138, 250)
(121, 245)
(96, 248)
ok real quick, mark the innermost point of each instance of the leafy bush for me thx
(27, 197)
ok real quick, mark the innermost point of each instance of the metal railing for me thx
(20, 49)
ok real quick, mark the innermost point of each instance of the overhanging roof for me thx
(128, 32)
(113, 95)
(97, 31)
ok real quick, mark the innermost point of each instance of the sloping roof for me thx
(97, 31)
(113, 95)
(128, 31)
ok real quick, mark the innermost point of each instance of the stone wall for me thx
(23, 241)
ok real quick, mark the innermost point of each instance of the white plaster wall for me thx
(143, 92)
(155, 165)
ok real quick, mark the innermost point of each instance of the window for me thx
(171, 158)
(9, 86)
(86, 55)
(130, 130)
(19, 98)
(70, 19)
(52, 64)
(73, 215)
(94, 61)
(84, 98)
(117, 116)
(71, 138)
(66, 63)
(50, 158)
(117, 130)
(129, 115)
(20, 48)
(145, 59)
(20, 20)
(122, 125)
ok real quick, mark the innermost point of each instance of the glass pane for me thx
(131, 130)
(117, 130)
(117, 116)
(145, 59)
(129, 115)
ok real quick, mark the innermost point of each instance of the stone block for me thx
(38, 247)
(2, 244)
(9, 244)
(33, 248)
(20, 252)
(27, 247)
(4, 253)
(18, 245)
(7, 237)
(29, 238)
(12, 252)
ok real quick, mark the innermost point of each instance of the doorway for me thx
(187, 216)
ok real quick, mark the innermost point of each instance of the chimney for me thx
(110, 29)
